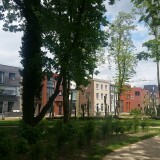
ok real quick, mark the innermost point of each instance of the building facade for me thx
(97, 96)
(134, 98)
(10, 100)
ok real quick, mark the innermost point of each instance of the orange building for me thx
(47, 90)
(134, 98)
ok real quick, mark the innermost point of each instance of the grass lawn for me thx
(96, 150)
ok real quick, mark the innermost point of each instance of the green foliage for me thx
(31, 134)
(135, 124)
(63, 134)
(135, 112)
(6, 144)
(106, 127)
(150, 111)
(89, 129)
(38, 151)
(144, 125)
(22, 145)
(80, 139)
(118, 127)
(121, 50)
(129, 125)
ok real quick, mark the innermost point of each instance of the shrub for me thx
(106, 128)
(6, 144)
(80, 139)
(89, 129)
(135, 112)
(135, 124)
(118, 127)
(22, 145)
(38, 151)
(129, 125)
(144, 125)
(31, 134)
(63, 135)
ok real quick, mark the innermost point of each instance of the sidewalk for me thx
(144, 150)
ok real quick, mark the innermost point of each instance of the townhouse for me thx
(10, 100)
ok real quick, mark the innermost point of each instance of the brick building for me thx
(134, 98)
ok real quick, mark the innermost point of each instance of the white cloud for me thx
(9, 47)
(146, 70)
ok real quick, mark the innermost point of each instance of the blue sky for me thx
(146, 70)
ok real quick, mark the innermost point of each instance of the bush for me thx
(63, 135)
(106, 128)
(144, 125)
(89, 129)
(31, 134)
(38, 151)
(135, 124)
(135, 112)
(22, 145)
(129, 125)
(118, 127)
(6, 144)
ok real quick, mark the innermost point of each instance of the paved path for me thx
(144, 150)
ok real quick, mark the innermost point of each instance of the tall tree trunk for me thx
(65, 97)
(31, 59)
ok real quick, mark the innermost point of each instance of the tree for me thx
(70, 30)
(150, 14)
(121, 49)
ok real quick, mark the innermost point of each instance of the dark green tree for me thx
(121, 50)
(70, 30)
(150, 14)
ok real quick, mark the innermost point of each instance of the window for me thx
(12, 76)
(137, 93)
(10, 106)
(112, 96)
(138, 105)
(101, 86)
(101, 95)
(97, 86)
(1, 107)
(97, 95)
(105, 87)
(102, 107)
(1, 77)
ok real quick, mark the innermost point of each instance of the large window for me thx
(12, 76)
(10, 106)
(105, 87)
(1, 77)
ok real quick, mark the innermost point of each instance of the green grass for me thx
(9, 122)
(98, 147)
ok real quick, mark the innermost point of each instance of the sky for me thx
(10, 44)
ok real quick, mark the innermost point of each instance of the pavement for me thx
(148, 149)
